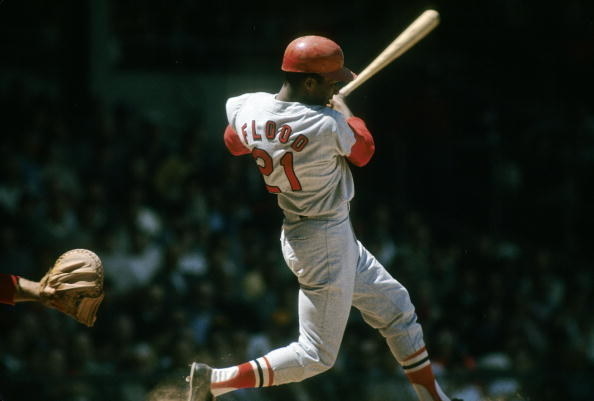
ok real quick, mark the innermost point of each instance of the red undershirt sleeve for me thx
(8, 283)
(364, 146)
(233, 143)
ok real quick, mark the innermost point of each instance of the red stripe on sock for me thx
(424, 377)
(270, 372)
(245, 378)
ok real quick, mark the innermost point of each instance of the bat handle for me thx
(348, 88)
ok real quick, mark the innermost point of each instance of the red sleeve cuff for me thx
(8, 285)
(233, 143)
(364, 146)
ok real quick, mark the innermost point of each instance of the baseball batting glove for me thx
(74, 285)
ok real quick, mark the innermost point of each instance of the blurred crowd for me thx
(189, 240)
(189, 237)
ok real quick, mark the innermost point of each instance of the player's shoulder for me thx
(241, 99)
(333, 118)
(235, 104)
(331, 113)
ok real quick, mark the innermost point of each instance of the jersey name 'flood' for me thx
(299, 149)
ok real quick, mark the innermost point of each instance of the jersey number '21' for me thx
(266, 167)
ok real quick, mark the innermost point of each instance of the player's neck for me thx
(288, 93)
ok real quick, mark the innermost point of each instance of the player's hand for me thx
(338, 103)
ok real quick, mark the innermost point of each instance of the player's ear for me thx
(310, 83)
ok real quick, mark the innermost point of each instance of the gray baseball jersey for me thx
(299, 150)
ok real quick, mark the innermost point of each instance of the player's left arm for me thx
(8, 287)
(233, 143)
(15, 289)
(364, 147)
(73, 285)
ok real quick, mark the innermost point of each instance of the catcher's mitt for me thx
(74, 285)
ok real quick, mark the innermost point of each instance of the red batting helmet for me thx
(316, 54)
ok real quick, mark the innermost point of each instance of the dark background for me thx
(479, 197)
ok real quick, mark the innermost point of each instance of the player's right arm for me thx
(232, 140)
(233, 143)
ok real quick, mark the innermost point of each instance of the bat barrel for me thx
(416, 31)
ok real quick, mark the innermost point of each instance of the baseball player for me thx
(302, 140)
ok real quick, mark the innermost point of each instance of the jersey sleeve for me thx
(364, 146)
(231, 138)
(233, 143)
(233, 106)
(345, 136)
(8, 283)
(355, 142)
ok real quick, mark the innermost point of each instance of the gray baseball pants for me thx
(335, 272)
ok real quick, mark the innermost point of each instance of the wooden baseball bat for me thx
(416, 31)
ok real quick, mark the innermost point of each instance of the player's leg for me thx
(385, 305)
(320, 254)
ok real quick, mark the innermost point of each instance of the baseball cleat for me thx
(199, 381)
